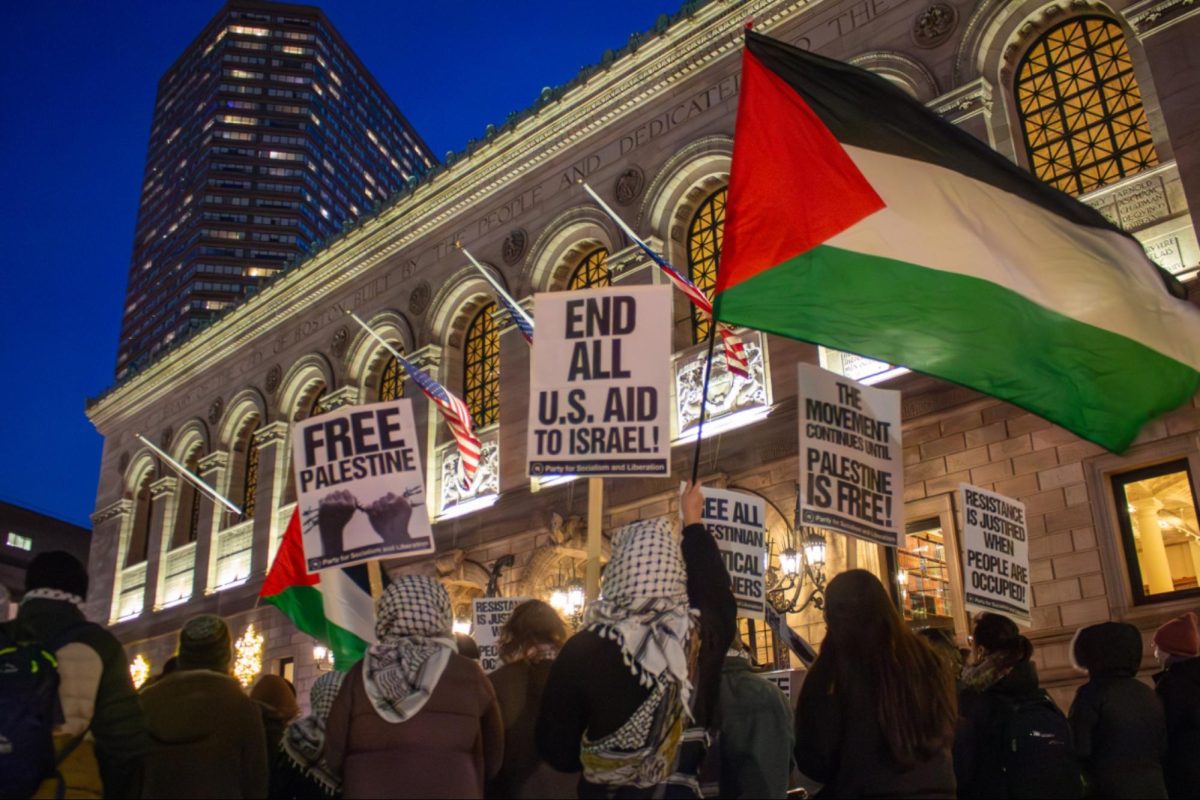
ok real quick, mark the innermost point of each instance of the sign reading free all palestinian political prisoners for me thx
(598, 383)
(851, 463)
(490, 615)
(995, 554)
(359, 486)
(737, 521)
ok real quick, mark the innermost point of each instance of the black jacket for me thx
(839, 743)
(1117, 722)
(979, 737)
(1179, 689)
(591, 689)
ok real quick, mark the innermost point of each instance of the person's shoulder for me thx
(754, 690)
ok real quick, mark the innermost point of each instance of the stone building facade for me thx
(1112, 536)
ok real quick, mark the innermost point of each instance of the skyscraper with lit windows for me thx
(268, 135)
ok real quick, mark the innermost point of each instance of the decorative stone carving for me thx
(727, 394)
(934, 25)
(486, 483)
(337, 344)
(629, 185)
(565, 531)
(214, 460)
(122, 506)
(274, 376)
(275, 432)
(514, 246)
(164, 441)
(418, 301)
(215, 410)
(1159, 14)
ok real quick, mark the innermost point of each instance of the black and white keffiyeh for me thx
(413, 627)
(304, 741)
(53, 594)
(643, 604)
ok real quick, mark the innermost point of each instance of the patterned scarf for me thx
(988, 671)
(304, 741)
(53, 594)
(643, 605)
(413, 625)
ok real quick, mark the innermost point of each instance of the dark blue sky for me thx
(77, 82)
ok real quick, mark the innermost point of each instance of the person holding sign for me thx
(876, 712)
(414, 718)
(629, 696)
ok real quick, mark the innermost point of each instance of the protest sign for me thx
(598, 383)
(995, 554)
(738, 522)
(490, 615)
(851, 463)
(359, 485)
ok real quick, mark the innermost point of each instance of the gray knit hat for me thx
(205, 643)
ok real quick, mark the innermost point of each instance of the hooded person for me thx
(1119, 729)
(1177, 648)
(277, 698)
(629, 698)
(102, 736)
(299, 770)
(414, 718)
(207, 736)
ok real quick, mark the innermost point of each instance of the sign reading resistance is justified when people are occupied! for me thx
(598, 393)
(995, 554)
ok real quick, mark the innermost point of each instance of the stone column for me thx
(163, 497)
(1169, 31)
(272, 443)
(1156, 570)
(104, 559)
(212, 468)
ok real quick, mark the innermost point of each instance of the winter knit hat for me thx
(1180, 636)
(205, 643)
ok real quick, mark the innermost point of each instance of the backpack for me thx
(29, 711)
(1039, 756)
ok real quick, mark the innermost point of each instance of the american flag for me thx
(524, 323)
(454, 411)
(735, 352)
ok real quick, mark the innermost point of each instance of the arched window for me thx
(592, 271)
(481, 368)
(143, 518)
(250, 476)
(391, 380)
(1080, 107)
(188, 526)
(704, 251)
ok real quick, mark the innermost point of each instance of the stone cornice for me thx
(587, 110)
(163, 486)
(214, 460)
(268, 434)
(968, 99)
(122, 506)
(1153, 15)
(345, 396)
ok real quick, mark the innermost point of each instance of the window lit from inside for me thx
(20, 542)
(592, 271)
(923, 576)
(1156, 507)
(759, 641)
(705, 236)
(481, 368)
(391, 380)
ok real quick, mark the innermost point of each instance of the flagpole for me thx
(595, 520)
(712, 339)
(495, 284)
(373, 334)
(186, 474)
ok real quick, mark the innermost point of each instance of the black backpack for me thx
(1039, 755)
(29, 711)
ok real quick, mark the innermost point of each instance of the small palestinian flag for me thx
(333, 606)
(858, 219)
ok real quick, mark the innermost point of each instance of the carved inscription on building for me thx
(848, 19)
(1166, 252)
(1142, 203)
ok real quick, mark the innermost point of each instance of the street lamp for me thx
(323, 656)
(798, 567)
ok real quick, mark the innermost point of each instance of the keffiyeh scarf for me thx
(304, 741)
(53, 594)
(643, 606)
(413, 627)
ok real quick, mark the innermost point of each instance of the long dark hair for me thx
(532, 623)
(868, 650)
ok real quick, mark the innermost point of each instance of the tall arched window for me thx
(143, 519)
(391, 380)
(1080, 107)
(592, 271)
(704, 251)
(481, 368)
(250, 476)
(188, 526)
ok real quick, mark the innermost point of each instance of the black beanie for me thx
(57, 569)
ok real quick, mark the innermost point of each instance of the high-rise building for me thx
(268, 135)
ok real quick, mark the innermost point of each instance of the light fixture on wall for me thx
(323, 656)
(462, 626)
(567, 596)
(801, 564)
(248, 653)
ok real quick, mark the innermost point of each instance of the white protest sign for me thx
(738, 522)
(995, 554)
(490, 615)
(851, 462)
(598, 383)
(359, 485)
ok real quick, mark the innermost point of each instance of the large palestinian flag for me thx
(858, 219)
(333, 606)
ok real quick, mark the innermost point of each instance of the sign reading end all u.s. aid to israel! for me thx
(599, 383)
(851, 460)
(995, 544)
(359, 486)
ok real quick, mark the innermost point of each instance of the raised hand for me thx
(389, 516)
(333, 514)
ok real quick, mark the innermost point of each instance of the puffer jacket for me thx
(1117, 721)
(1179, 689)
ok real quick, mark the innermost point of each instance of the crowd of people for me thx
(654, 696)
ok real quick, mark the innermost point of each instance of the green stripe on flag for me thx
(1097, 384)
(305, 606)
